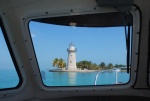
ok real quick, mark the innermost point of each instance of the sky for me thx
(95, 44)
(51, 41)
(6, 61)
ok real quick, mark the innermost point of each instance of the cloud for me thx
(74, 27)
(33, 35)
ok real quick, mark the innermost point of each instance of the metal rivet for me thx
(71, 10)
(137, 53)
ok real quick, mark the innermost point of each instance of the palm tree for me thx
(110, 65)
(61, 63)
(116, 66)
(55, 62)
(102, 65)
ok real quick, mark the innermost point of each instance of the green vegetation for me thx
(93, 66)
(87, 65)
(60, 63)
(120, 65)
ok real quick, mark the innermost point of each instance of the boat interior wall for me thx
(16, 16)
(123, 5)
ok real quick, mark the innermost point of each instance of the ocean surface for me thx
(9, 78)
(84, 78)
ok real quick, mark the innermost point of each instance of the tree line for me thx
(60, 63)
(93, 66)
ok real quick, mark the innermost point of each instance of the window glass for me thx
(8, 75)
(80, 56)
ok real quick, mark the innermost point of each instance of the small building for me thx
(71, 63)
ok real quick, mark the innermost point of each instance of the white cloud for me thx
(74, 27)
(33, 35)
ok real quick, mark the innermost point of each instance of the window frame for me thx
(134, 58)
(8, 37)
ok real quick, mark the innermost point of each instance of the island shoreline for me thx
(56, 70)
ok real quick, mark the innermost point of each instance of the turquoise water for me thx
(83, 78)
(9, 78)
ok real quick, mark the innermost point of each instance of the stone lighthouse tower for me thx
(71, 64)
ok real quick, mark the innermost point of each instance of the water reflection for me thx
(72, 78)
(83, 78)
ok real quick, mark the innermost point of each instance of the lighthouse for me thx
(71, 64)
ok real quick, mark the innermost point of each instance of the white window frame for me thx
(135, 43)
(13, 91)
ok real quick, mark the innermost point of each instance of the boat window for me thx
(83, 50)
(9, 78)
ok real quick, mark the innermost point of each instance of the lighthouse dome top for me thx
(71, 46)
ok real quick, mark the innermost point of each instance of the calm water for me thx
(9, 78)
(83, 78)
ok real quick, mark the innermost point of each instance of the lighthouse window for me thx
(79, 50)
